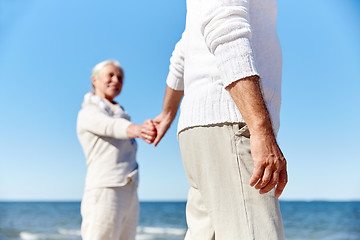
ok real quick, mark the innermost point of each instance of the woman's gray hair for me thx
(100, 66)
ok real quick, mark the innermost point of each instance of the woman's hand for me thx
(148, 131)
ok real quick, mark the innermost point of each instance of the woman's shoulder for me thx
(89, 110)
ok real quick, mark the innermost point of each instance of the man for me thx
(227, 66)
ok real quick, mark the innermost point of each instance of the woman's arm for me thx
(93, 120)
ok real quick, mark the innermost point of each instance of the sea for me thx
(166, 220)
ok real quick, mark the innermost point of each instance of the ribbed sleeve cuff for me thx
(235, 60)
(174, 82)
(120, 128)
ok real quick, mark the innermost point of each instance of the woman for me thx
(110, 205)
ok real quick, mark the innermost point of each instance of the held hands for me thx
(162, 123)
(152, 131)
(148, 131)
(269, 165)
(164, 119)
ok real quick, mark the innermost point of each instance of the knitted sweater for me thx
(224, 41)
(110, 155)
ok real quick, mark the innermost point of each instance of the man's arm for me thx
(171, 104)
(173, 93)
(269, 162)
(227, 32)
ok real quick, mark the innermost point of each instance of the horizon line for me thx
(168, 200)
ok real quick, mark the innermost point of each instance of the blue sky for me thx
(47, 51)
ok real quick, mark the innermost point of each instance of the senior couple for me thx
(226, 72)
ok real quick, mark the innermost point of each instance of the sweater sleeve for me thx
(175, 78)
(226, 28)
(91, 119)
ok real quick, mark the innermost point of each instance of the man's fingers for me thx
(283, 179)
(162, 124)
(265, 178)
(158, 138)
(257, 174)
(272, 183)
(149, 124)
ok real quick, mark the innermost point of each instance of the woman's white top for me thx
(110, 154)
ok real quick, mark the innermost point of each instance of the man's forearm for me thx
(269, 162)
(171, 102)
(247, 96)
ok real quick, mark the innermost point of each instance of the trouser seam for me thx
(238, 159)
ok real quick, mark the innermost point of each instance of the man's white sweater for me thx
(224, 41)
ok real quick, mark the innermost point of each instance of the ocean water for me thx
(166, 220)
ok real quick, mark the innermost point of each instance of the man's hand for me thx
(269, 164)
(148, 131)
(162, 124)
(166, 117)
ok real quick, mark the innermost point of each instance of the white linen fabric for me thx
(110, 154)
(221, 203)
(110, 213)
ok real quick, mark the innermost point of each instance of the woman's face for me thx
(109, 82)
